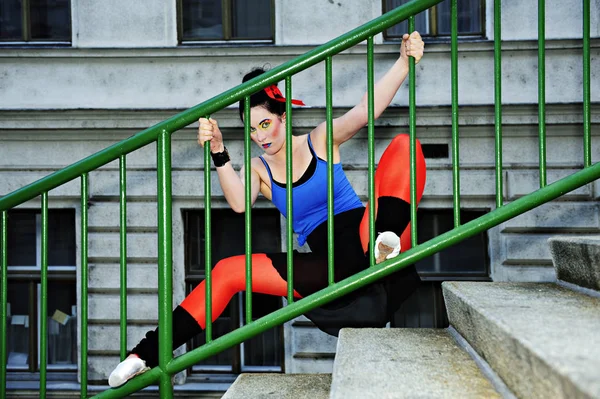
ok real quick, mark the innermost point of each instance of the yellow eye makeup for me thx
(264, 124)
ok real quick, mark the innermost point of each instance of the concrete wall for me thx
(125, 72)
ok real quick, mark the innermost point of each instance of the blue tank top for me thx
(310, 197)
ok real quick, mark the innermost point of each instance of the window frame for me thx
(31, 275)
(432, 23)
(26, 30)
(227, 23)
(235, 308)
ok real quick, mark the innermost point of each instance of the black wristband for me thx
(220, 158)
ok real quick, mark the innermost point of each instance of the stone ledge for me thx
(280, 386)
(541, 339)
(577, 260)
(405, 363)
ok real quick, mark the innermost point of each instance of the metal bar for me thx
(455, 137)
(123, 258)
(587, 111)
(289, 189)
(498, 101)
(216, 103)
(407, 258)
(371, 148)
(330, 176)
(412, 112)
(248, 210)
(542, 89)
(26, 20)
(207, 243)
(3, 302)
(165, 263)
(84, 285)
(44, 299)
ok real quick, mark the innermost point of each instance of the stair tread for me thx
(280, 386)
(403, 363)
(541, 339)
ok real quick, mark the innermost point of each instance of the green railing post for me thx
(289, 178)
(3, 302)
(498, 101)
(371, 147)
(123, 255)
(412, 100)
(165, 264)
(84, 285)
(330, 176)
(248, 209)
(542, 88)
(44, 299)
(587, 111)
(455, 145)
(207, 244)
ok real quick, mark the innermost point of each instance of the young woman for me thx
(368, 307)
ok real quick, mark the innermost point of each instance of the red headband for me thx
(274, 92)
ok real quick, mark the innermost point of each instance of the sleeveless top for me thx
(310, 196)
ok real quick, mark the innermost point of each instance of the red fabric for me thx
(392, 179)
(229, 278)
(274, 92)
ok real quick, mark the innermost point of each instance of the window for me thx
(226, 20)
(435, 22)
(24, 289)
(265, 351)
(467, 260)
(35, 21)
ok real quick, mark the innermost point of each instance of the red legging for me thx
(392, 179)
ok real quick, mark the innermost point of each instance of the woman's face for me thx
(267, 129)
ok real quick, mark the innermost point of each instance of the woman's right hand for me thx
(208, 130)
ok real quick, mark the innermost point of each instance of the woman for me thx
(369, 307)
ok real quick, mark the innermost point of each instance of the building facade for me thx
(78, 76)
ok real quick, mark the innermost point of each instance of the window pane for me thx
(228, 235)
(10, 20)
(202, 19)
(61, 237)
(50, 20)
(224, 324)
(18, 324)
(264, 349)
(252, 19)
(21, 238)
(463, 259)
(469, 17)
(402, 28)
(62, 323)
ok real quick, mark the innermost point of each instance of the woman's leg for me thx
(392, 191)
(189, 318)
(229, 278)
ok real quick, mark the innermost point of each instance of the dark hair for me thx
(260, 99)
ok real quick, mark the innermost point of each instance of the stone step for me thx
(280, 386)
(577, 260)
(405, 363)
(543, 340)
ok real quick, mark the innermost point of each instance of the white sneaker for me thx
(126, 370)
(387, 246)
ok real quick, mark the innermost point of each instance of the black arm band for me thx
(220, 158)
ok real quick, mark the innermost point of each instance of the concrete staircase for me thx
(528, 340)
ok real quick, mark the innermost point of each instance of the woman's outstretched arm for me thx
(232, 184)
(346, 126)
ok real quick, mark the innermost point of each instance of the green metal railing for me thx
(161, 134)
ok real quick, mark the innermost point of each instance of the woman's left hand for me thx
(412, 46)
